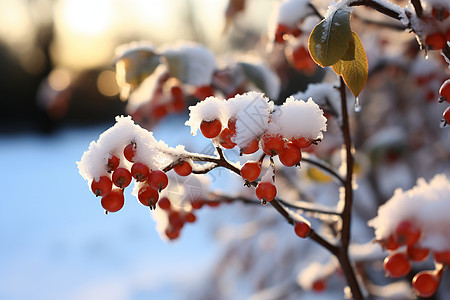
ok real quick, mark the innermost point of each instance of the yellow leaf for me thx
(353, 66)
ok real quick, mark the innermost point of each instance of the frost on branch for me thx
(426, 205)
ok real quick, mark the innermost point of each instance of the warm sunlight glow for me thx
(106, 83)
(88, 17)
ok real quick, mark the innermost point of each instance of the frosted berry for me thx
(121, 177)
(102, 186)
(439, 13)
(290, 155)
(251, 170)
(175, 219)
(272, 144)
(203, 92)
(390, 243)
(319, 286)
(302, 229)
(444, 91)
(210, 129)
(197, 204)
(266, 192)
(140, 171)
(301, 142)
(130, 151)
(436, 40)
(225, 138)
(113, 163)
(183, 168)
(280, 33)
(416, 253)
(158, 180)
(407, 233)
(251, 148)
(190, 217)
(148, 196)
(397, 265)
(442, 257)
(232, 125)
(446, 116)
(113, 201)
(426, 283)
(164, 203)
(172, 233)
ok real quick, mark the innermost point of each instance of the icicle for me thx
(358, 106)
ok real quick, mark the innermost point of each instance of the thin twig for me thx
(326, 168)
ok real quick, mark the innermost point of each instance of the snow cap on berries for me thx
(297, 118)
(210, 109)
(426, 205)
(155, 154)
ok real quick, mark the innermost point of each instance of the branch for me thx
(378, 6)
(417, 7)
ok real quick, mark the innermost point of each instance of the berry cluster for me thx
(439, 27)
(398, 263)
(283, 32)
(444, 92)
(117, 176)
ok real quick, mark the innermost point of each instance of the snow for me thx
(155, 154)
(291, 12)
(255, 115)
(210, 109)
(426, 205)
(191, 63)
(297, 118)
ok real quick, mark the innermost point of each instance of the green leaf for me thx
(353, 66)
(329, 40)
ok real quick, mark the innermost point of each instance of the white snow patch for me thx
(426, 204)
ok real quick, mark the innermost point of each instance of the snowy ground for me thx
(56, 243)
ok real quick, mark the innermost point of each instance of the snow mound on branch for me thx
(256, 115)
(153, 153)
(426, 205)
(291, 12)
(297, 118)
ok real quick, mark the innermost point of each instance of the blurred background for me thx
(57, 94)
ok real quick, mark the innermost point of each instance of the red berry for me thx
(390, 243)
(212, 203)
(160, 111)
(102, 186)
(158, 180)
(178, 105)
(183, 168)
(251, 148)
(225, 138)
(210, 129)
(272, 144)
(302, 229)
(251, 170)
(397, 265)
(190, 217)
(203, 92)
(164, 203)
(148, 196)
(444, 91)
(439, 13)
(296, 32)
(232, 125)
(197, 204)
(436, 40)
(113, 201)
(172, 233)
(426, 283)
(265, 191)
(417, 254)
(121, 177)
(130, 151)
(140, 171)
(280, 33)
(407, 233)
(319, 285)
(446, 116)
(113, 163)
(175, 219)
(442, 256)
(301, 142)
(177, 93)
(290, 156)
